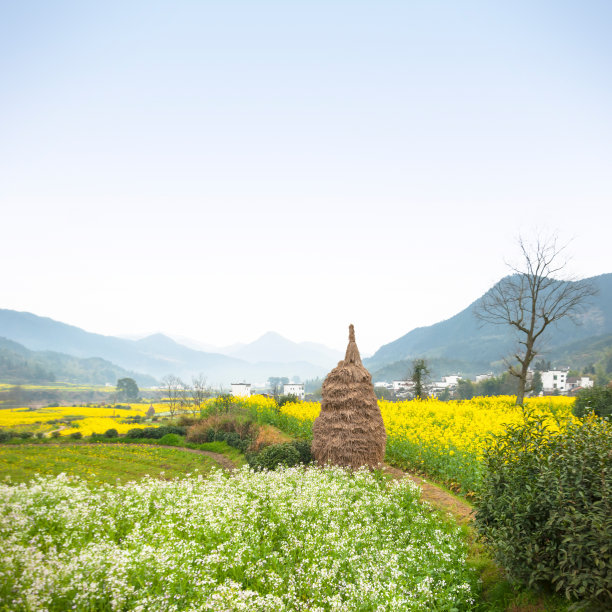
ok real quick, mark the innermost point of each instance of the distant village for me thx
(553, 382)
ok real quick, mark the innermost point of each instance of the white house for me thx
(296, 389)
(450, 381)
(579, 382)
(402, 385)
(241, 389)
(554, 380)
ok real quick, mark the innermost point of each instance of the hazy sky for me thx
(220, 169)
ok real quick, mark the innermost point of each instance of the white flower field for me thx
(293, 539)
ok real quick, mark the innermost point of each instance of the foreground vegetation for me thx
(443, 440)
(295, 539)
(529, 509)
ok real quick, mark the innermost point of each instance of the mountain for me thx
(273, 347)
(19, 365)
(479, 347)
(155, 355)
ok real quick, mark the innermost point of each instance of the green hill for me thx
(474, 347)
(19, 365)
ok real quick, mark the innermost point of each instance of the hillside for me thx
(481, 347)
(156, 355)
(19, 365)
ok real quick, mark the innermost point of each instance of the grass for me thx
(98, 463)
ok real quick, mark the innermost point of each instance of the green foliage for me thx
(496, 385)
(274, 456)
(596, 399)
(172, 439)
(111, 433)
(287, 399)
(419, 374)
(127, 389)
(55, 434)
(76, 435)
(303, 447)
(545, 507)
(155, 432)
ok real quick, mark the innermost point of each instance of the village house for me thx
(554, 381)
(296, 389)
(241, 390)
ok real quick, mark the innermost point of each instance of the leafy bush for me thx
(287, 399)
(40, 435)
(273, 456)
(76, 435)
(234, 432)
(111, 433)
(303, 448)
(155, 433)
(26, 435)
(172, 439)
(5, 436)
(596, 399)
(546, 506)
(55, 434)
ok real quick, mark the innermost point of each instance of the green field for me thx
(100, 462)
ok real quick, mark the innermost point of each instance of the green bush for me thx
(273, 456)
(596, 399)
(55, 434)
(155, 433)
(5, 436)
(287, 399)
(545, 508)
(303, 448)
(40, 435)
(111, 433)
(76, 435)
(172, 439)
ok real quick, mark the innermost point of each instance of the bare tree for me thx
(199, 392)
(531, 299)
(172, 387)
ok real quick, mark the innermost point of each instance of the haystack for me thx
(349, 431)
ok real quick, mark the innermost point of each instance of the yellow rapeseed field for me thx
(446, 439)
(91, 419)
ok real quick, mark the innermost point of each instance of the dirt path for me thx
(437, 497)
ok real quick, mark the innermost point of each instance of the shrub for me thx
(236, 433)
(172, 439)
(5, 436)
(287, 399)
(40, 435)
(303, 448)
(55, 434)
(596, 399)
(76, 435)
(546, 506)
(26, 435)
(111, 433)
(273, 456)
(155, 433)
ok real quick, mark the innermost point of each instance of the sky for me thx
(216, 170)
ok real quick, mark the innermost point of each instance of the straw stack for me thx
(349, 431)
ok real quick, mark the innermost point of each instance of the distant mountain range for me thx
(458, 345)
(158, 355)
(19, 365)
(462, 344)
